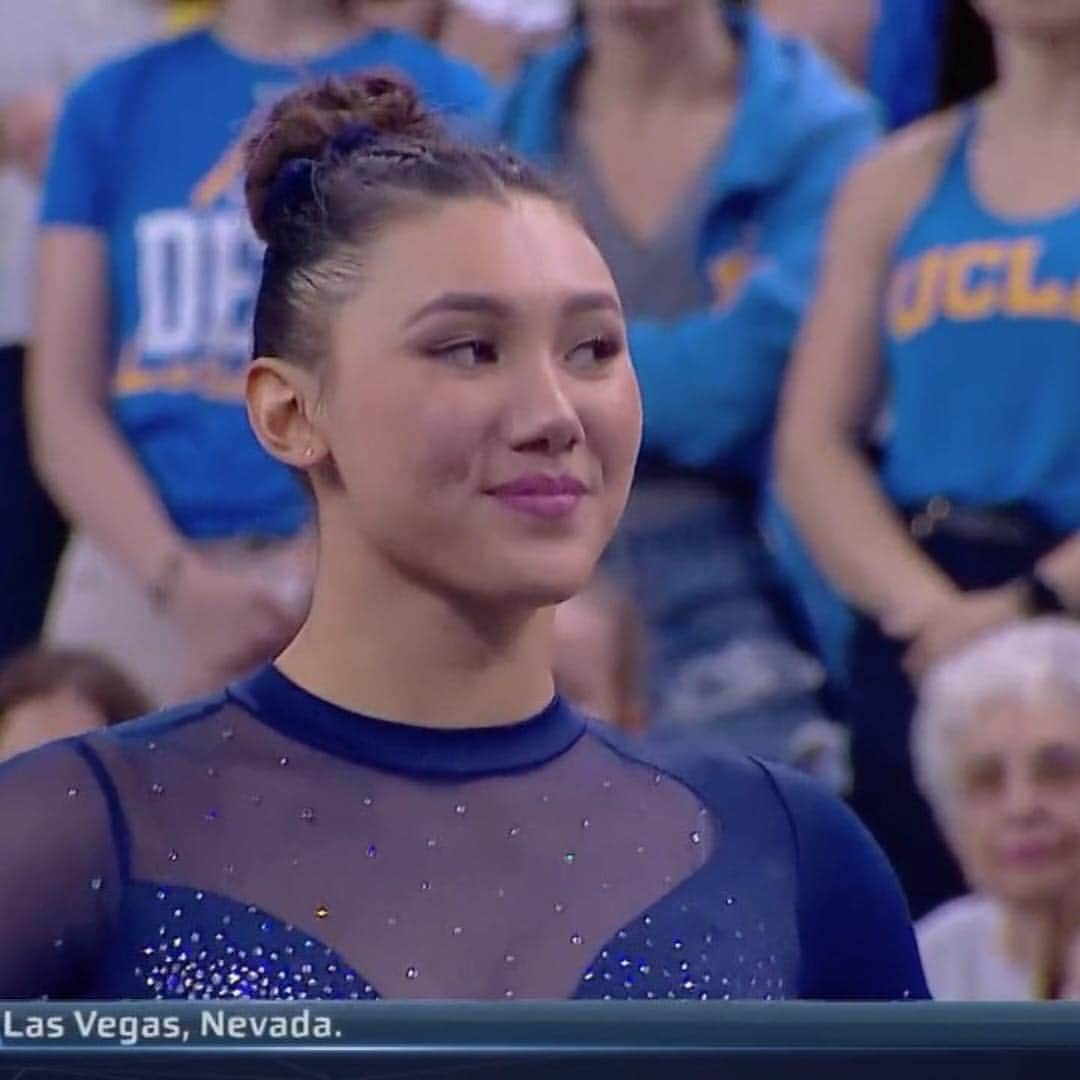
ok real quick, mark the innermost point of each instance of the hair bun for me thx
(337, 113)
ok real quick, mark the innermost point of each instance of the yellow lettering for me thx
(727, 273)
(221, 176)
(1022, 295)
(963, 301)
(129, 378)
(209, 377)
(914, 294)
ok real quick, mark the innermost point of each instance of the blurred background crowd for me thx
(846, 234)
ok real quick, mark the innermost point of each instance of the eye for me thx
(983, 777)
(470, 353)
(1058, 765)
(595, 351)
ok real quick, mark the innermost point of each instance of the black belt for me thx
(940, 516)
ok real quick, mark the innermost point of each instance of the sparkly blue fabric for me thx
(267, 844)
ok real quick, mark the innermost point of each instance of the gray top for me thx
(658, 279)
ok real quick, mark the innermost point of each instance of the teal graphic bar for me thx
(564, 1029)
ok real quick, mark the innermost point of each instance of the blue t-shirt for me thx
(982, 346)
(147, 153)
(265, 843)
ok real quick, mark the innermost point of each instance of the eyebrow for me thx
(485, 303)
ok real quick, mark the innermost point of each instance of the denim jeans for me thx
(724, 662)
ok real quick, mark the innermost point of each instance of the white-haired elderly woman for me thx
(996, 745)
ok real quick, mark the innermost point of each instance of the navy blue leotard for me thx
(265, 843)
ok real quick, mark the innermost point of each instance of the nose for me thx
(542, 417)
(1022, 795)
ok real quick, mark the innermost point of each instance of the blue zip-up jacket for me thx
(710, 380)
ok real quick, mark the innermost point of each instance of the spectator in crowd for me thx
(948, 297)
(926, 55)
(600, 659)
(44, 45)
(191, 559)
(703, 152)
(48, 694)
(996, 743)
(600, 652)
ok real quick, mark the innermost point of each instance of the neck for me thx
(377, 644)
(692, 56)
(1035, 936)
(275, 28)
(1040, 80)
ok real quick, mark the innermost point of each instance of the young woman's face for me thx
(480, 408)
(1016, 814)
(1039, 17)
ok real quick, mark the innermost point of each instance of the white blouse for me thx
(961, 947)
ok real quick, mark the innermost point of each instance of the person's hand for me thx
(909, 611)
(231, 621)
(26, 130)
(958, 621)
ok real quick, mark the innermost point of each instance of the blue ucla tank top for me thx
(982, 352)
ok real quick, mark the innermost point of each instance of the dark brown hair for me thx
(967, 65)
(332, 164)
(38, 672)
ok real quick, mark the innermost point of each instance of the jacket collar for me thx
(757, 154)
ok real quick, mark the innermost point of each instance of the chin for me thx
(1034, 17)
(538, 571)
(542, 592)
(1050, 29)
(539, 585)
(646, 14)
(1033, 888)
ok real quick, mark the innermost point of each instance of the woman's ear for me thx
(281, 403)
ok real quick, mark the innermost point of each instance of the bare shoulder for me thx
(888, 186)
(918, 151)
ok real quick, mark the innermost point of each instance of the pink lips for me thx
(1026, 853)
(541, 495)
